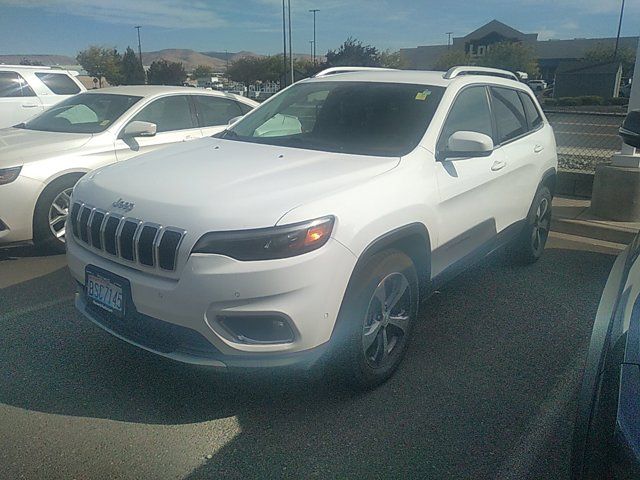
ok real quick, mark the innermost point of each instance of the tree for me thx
(389, 59)
(354, 53)
(452, 58)
(132, 70)
(202, 71)
(249, 70)
(102, 63)
(162, 72)
(512, 56)
(603, 53)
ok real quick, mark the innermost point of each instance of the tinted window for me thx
(13, 85)
(533, 115)
(244, 107)
(364, 118)
(509, 114)
(59, 83)
(470, 112)
(168, 113)
(83, 113)
(216, 111)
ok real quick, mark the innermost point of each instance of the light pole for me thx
(615, 51)
(138, 27)
(313, 54)
(290, 47)
(311, 44)
(284, 46)
(448, 34)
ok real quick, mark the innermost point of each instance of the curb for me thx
(595, 230)
(574, 183)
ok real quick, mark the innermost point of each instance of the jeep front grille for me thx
(130, 239)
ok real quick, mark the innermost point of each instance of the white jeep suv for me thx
(313, 227)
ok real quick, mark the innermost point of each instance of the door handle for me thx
(538, 148)
(188, 137)
(30, 105)
(498, 165)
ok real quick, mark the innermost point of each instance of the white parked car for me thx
(537, 85)
(27, 91)
(42, 159)
(315, 225)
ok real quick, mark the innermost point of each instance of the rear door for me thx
(215, 112)
(472, 196)
(520, 145)
(18, 101)
(175, 121)
(60, 86)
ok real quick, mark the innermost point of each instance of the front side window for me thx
(362, 118)
(215, 110)
(168, 113)
(470, 112)
(13, 85)
(83, 113)
(533, 115)
(59, 83)
(509, 113)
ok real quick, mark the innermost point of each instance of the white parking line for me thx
(35, 308)
(542, 428)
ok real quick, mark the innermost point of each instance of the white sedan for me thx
(41, 160)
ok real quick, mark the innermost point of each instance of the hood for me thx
(214, 184)
(19, 146)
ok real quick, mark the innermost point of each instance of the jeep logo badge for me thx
(122, 205)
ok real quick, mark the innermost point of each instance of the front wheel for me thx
(375, 322)
(529, 245)
(52, 209)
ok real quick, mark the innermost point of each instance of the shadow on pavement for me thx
(488, 350)
(13, 253)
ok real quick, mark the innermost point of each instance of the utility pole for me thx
(311, 48)
(284, 47)
(293, 80)
(313, 55)
(226, 54)
(449, 39)
(138, 27)
(615, 51)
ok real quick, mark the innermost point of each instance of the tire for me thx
(57, 191)
(388, 275)
(528, 247)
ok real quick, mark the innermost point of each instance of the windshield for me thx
(84, 113)
(365, 118)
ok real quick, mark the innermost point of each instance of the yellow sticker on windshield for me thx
(423, 95)
(104, 123)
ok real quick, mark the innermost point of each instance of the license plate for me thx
(105, 293)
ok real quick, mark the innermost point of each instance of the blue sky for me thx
(66, 26)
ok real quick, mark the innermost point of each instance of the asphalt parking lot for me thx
(487, 390)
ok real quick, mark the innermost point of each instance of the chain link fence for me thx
(585, 139)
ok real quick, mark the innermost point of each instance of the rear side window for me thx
(470, 112)
(533, 115)
(59, 83)
(244, 107)
(216, 111)
(509, 113)
(13, 85)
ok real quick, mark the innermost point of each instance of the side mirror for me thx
(234, 120)
(630, 129)
(140, 129)
(468, 144)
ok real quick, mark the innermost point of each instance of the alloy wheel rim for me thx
(387, 319)
(58, 213)
(541, 225)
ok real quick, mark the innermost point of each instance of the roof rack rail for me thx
(334, 70)
(34, 67)
(471, 70)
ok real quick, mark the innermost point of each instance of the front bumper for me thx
(307, 289)
(17, 204)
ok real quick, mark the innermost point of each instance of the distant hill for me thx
(47, 60)
(189, 58)
(233, 56)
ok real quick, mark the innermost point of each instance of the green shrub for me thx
(551, 102)
(617, 101)
(591, 100)
(569, 102)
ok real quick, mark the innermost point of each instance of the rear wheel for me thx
(52, 209)
(529, 245)
(376, 319)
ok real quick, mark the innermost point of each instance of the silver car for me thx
(41, 160)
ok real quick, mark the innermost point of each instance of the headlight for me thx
(268, 243)
(8, 175)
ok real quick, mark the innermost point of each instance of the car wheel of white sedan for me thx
(51, 213)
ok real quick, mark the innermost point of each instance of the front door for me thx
(18, 102)
(175, 122)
